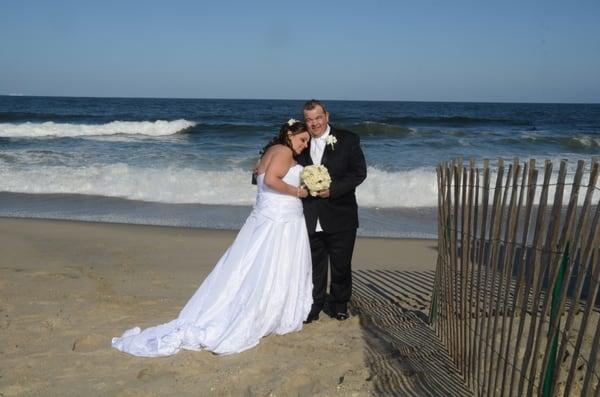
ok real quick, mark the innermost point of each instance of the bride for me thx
(262, 284)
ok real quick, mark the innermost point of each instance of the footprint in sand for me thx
(149, 374)
(90, 343)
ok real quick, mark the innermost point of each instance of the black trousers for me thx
(333, 249)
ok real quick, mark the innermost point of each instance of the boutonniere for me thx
(331, 140)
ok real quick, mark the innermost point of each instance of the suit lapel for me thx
(307, 156)
(327, 150)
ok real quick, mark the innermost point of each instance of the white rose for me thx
(331, 140)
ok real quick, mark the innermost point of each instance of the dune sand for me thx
(66, 288)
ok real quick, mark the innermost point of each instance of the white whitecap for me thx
(587, 141)
(52, 129)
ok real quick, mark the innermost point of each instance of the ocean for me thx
(187, 162)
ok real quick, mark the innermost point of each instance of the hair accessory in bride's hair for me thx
(291, 122)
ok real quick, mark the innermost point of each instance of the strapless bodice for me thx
(275, 205)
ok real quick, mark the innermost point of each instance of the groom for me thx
(332, 216)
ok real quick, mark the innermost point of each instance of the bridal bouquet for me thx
(315, 178)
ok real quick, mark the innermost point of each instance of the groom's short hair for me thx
(313, 103)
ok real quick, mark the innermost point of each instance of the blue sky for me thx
(505, 51)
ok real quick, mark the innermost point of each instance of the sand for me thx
(66, 288)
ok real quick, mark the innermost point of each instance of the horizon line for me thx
(18, 95)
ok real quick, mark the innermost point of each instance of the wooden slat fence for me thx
(515, 298)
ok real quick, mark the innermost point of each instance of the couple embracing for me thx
(273, 278)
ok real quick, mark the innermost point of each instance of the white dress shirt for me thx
(317, 148)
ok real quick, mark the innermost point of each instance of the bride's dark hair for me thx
(295, 128)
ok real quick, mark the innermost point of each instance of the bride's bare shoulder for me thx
(275, 155)
(279, 152)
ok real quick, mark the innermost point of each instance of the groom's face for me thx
(316, 121)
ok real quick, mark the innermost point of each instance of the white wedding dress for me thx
(261, 285)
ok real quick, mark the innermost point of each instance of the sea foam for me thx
(414, 188)
(382, 189)
(52, 129)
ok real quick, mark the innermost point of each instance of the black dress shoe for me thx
(310, 319)
(341, 316)
(338, 311)
(327, 310)
(312, 316)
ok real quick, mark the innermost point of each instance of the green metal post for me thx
(551, 366)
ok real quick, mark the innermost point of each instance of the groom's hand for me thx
(323, 193)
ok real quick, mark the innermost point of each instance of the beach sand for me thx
(66, 288)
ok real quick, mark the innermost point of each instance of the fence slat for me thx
(468, 271)
(463, 271)
(444, 257)
(482, 268)
(453, 210)
(476, 262)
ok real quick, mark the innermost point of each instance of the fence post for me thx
(553, 334)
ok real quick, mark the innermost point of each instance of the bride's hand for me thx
(302, 192)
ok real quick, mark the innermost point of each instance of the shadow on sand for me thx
(403, 352)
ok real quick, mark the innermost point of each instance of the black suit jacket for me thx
(347, 168)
